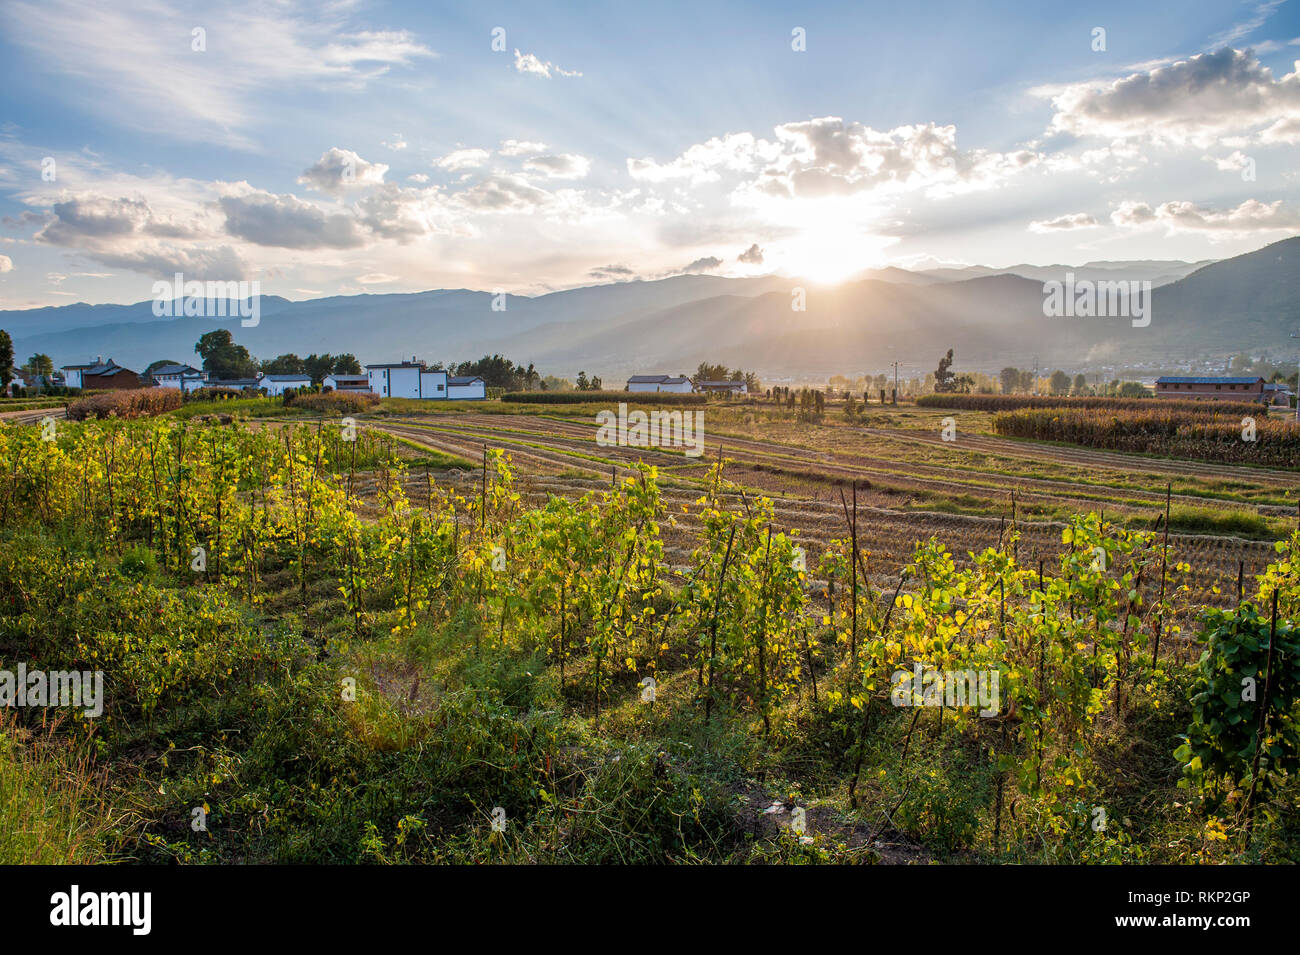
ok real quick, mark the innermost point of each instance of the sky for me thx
(351, 147)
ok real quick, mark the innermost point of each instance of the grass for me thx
(48, 805)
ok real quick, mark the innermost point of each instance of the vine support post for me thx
(1164, 566)
(1263, 721)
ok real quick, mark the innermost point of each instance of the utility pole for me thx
(1297, 386)
(896, 379)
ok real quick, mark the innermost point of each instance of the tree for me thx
(752, 382)
(346, 364)
(6, 359)
(943, 377)
(41, 364)
(1080, 384)
(318, 366)
(1131, 389)
(582, 381)
(1059, 383)
(1010, 380)
(289, 364)
(222, 358)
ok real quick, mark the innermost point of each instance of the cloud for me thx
(163, 261)
(528, 63)
(826, 156)
(517, 147)
(340, 169)
(1065, 223)
(377, 278)
(408, 214)
(1182, 216)
(397, 144)
(611, 272)
(1244, 29)
(141, 62)
(503, 193)
(99, 219)
(463, 159)
(6, 264)
(287, 222)
(563, 166)
(751, 256)
(1195, 101)
(706, 264)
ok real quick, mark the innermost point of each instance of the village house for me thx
(466, 388)
(1278, 394)
(184, 377)
(407, 379)
(100, 375)
(346, 382)
(276, 385)
(722, 387)
(1214, 389)
(659, 383)
(235, 384)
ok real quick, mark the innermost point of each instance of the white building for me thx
(467, 388)
(407, 379)
(346, 382)
(276, 385)
(184, 377)
(656, 383)
(722, 387)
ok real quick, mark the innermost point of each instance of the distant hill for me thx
(1247, 303)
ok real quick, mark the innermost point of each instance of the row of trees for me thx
(709, 372)
(1022, 381)
(223, 357)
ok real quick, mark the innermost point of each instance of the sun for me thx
(831, 251)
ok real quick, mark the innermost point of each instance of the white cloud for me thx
(529, 63)
(516, 147)
(340, 169)
(562, 166)
(377, 278)
(288, 222)
(6, 264)
(139, 61)
(463, 159)
(1182, 216)
(1197, 101)
(1065, 223)
(397, 144)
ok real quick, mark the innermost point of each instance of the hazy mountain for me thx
(1248, 303)
(1158, 273)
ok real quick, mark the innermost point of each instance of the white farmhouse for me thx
(184, 377)
(276, 385)
(722, 387)
(680, 385)
(346, 382)
(407, 379)
(467, 388)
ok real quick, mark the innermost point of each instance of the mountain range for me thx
(990, 317)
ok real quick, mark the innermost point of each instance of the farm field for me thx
(911, 484)
(474, 634)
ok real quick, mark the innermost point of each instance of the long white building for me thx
(680, 385)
